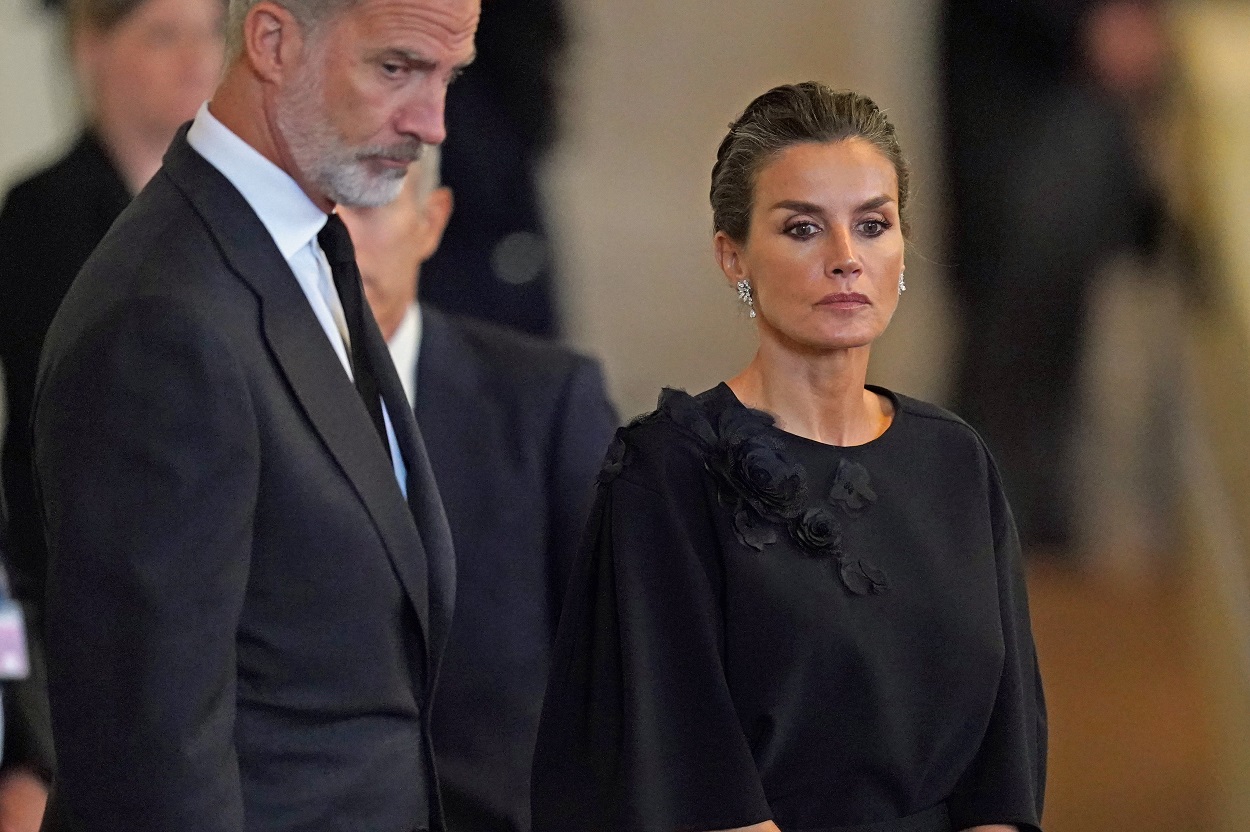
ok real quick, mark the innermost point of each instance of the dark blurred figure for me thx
(143, 67)
(1048, 186)
(516, 428)
(495, 261)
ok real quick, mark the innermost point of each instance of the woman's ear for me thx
(729, 257)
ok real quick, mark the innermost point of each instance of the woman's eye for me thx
(874, 228)
(802, 230)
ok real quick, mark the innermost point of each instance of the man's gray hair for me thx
(308, 13)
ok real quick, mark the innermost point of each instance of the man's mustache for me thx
(405, 153)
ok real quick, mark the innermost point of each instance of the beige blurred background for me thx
(1145, 651)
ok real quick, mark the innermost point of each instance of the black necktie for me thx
(337, 244)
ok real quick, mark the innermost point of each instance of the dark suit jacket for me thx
(244, 620)
(516, 428)
(49, 225)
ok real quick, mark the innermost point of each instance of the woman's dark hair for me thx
(789, 115)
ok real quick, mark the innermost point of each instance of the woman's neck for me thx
(816, 396)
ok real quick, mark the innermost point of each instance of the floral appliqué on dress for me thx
(765, 491)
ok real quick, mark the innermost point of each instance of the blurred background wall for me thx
(37, 114)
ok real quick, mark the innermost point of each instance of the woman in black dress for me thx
(800, 603)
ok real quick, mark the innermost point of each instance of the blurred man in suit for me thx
(250, 573)
(516, 429)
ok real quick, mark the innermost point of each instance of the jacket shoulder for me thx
(511, 347)
(504, 359)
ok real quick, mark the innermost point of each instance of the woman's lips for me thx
(844, 300)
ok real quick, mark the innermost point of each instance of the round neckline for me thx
(882, 391)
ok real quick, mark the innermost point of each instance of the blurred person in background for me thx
(1048, 187)
(516, 429)
(799, 602)
(496, 260)
(142, 68)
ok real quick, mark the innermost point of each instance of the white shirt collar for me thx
(290, 217)
(405, 347)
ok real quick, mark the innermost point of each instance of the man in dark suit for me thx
(517, 428)
(250, 573)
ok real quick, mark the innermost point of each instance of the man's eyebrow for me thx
(407, 56)
(416, 59)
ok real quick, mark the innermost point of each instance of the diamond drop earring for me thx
(902, 284)
(744, 295)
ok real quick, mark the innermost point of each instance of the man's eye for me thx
(392, 68)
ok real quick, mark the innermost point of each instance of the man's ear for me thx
(729, 256)
(437, 211)
(272, 41)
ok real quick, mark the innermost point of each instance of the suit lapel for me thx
(309, 364)
(423, 497)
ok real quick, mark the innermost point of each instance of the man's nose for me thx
(422, 114)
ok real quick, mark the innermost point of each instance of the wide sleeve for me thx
(147, 458)
(638, 728)
(584, 424)
(1007, 780)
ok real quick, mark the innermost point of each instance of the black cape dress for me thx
(763, 626)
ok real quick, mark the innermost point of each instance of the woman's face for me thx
(825, 249)
(153, 70)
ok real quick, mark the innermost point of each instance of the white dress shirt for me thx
(293, 221)
(405, 346)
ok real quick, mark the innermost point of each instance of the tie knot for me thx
(336, 242)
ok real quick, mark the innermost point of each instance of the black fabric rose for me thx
(752, 530)
(774, 486)
(862, 578)
(762, 489)
(745, 460)
(614, 461)
(818, 531)
(851, 487)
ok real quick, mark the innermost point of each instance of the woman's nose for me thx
(842, 261)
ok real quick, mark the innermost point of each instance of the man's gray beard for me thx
(340, 172)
